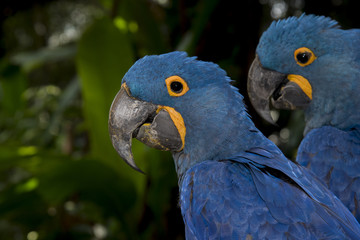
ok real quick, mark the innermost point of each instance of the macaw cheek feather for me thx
(152, 124)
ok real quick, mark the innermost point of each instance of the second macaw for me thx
(234, 183)
(312, 64)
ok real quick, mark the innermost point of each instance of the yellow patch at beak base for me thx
(302, 82)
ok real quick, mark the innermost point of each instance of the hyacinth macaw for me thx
(310, 63)
(234, 182)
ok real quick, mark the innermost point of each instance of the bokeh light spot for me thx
(32, 235)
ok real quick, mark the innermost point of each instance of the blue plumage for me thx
(335, 158)
(242, 197)
(331, 147)
(235, 183)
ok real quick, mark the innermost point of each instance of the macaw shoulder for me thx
(219, 199)
(327, 147)
(233, 200)
(246, 197)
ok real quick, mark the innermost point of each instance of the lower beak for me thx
(294, 94)
(284, 91)
(150, 123)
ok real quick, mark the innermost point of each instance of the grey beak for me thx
(130, 117)
(126, 115)
(262, 83)
(284, 91)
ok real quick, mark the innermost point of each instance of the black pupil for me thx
(176, 86)
(303, 57)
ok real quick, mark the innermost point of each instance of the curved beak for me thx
(284, 91)
(152, 124)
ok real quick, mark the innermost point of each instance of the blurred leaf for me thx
(27, 151)
(69, 95)
(191, 39)
(148, 35)
(92, 180)
(30, 60)
(107, 3)
(25, 208)
(163, 180)
(104, 56)
(28, 186)
(58, 179)
(12, 86)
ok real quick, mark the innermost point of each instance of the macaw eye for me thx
(176, 86)
(304, 56)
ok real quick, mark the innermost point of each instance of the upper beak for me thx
(284, 91)
(150, 123)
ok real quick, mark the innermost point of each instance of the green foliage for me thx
(104, 56)
(13, 84)
(60, 176)
(193, 36)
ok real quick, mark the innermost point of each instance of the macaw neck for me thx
(341, 111)
(226, 138)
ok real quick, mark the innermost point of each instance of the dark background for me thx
(61, 64)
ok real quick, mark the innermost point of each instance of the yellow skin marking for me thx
(302, 82)
(304, 50)
(126, 88)
(177, 120)
(175, 78)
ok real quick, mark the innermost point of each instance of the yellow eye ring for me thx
(304, 56)
(176, 86)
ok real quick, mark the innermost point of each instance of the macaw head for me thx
(180, 104)
(307, 63)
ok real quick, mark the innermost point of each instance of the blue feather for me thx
(334, 155)
(246, 200)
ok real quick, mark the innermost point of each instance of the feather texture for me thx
(334, 155)
(252, 196)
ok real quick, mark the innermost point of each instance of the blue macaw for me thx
(310, 63)
(234, 182)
